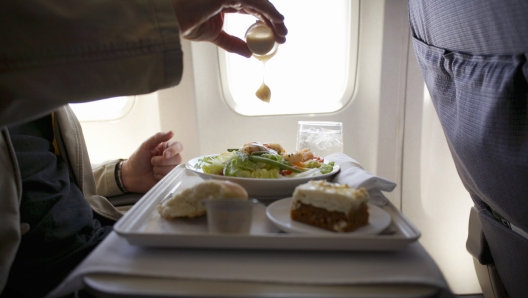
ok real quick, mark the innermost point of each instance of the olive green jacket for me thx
(54, 52)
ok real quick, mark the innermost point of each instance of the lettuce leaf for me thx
(237, 164)
(312, 164)
(215, 164)
(327, 167)
(240, 166)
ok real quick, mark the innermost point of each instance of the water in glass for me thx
(321, 137)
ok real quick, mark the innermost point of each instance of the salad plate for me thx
(279, 213)
(261, 188)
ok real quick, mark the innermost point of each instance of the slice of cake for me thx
(331, 206)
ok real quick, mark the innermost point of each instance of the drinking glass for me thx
(321, 137)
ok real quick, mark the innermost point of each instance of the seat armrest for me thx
(476, 243)
(125, 199)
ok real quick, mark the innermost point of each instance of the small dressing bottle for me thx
(261, 42)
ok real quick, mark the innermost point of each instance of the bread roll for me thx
(188, 203)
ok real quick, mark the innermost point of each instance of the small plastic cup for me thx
(261, 41)
(229, 215)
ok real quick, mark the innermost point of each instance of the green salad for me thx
(255, 160)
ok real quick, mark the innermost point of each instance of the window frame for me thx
(107, 116)
(349, 88)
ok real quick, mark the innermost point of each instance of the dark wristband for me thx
(117, 176)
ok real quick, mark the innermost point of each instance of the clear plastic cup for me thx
(321, 137)
(229, 215)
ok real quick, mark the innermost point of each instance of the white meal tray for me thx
(143, 226)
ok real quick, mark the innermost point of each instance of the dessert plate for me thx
(258, 187)
(279, 213)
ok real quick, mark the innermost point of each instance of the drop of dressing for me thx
(264, 92)
(261, 42)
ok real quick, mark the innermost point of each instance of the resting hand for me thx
(154, 159)
(202, 20)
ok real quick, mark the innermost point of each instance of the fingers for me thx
(266, 12)
(152, 142)
(165, 155)
(173, 149)
(276, 25)
(198, 19)
(162, 165)
(265, 8)
(168, 159)
(232, 44)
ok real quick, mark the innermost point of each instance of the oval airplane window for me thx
(104, 109)
(313, 72)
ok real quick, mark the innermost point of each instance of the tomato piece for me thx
(285, 172)
(319, 159)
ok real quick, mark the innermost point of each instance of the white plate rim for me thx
(279, 213)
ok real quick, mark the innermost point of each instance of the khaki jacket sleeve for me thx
(71, 144)
(105, 182)
(56, 52)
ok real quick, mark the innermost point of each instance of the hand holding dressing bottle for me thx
(261, 42)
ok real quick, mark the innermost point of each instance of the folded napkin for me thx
(115, 256)
(353, 174)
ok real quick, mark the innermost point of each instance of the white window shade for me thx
(313, 72)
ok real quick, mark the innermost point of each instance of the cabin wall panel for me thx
(118, 138)
(177, 108)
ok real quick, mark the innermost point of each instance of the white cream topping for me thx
(330, 196)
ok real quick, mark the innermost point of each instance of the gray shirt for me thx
(473, 56)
